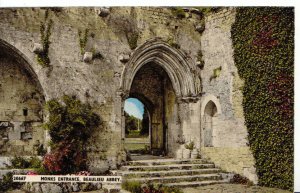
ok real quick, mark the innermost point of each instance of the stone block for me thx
(103, 12)
(26, 135)
(250, 173)
(17, 150)
(200, 27)
(124, 58)
(14, 135)
(37, 48)
(50, 188)
(87, 57)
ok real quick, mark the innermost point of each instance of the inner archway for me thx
(137, 126)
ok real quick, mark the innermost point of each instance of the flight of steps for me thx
(173, 172)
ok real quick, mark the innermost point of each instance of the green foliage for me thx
(42, 170)
(22, 163)
(190, 145)
(41, 151)
(35, 162)
(172, 43)
(131, 124)
(263, 40)
(45, 31)
(207, 10)
(96, 54)
(7, 183)
(200, 60)
(70, 125)
(216, 73)
(132, 39)
(83, 40)
(138, 187)
(132, 186)
(19, 162)
(178, 12)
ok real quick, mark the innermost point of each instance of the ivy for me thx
(263, 40)
(83, 40)
(216, 73)
(178, 12)
(45, 31)
(200, 61)
(171, 41)
(70, 125)
(132, 39)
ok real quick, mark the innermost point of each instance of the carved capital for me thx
(188, 99)
(123, 94)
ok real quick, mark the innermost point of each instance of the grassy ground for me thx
(132, 144)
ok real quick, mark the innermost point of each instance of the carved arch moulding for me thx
(177, 65)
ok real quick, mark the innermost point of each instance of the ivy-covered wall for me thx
(263, 40)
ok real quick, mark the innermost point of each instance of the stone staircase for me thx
(173, 172)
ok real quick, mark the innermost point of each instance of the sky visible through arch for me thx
(134, 107)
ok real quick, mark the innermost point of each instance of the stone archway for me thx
(174, 74)
(210, 110)
(21, 104)
(208, 118)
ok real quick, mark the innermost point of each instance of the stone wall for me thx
(21, 109)
(238, 160)
(229, 148)
(97, 81)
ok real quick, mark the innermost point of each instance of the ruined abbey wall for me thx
(98, 81)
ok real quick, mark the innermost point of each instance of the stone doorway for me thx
(164, 79)
(153, 87)
(209, 115)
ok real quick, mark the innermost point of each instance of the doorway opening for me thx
(137, 127)
(209, 113)
(151, 86)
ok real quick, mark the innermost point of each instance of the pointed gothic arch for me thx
(177, 65)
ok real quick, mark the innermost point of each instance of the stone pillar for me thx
(189, 116)
(119, 115)
(195, 126)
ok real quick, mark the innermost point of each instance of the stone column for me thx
(119, 114)
(189, 116)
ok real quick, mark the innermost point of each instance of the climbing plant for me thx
(263, 40)
(45, 32)
(83, 40)
(70, 125)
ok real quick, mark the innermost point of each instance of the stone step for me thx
(135, 174)
(167, 167)
(165, 162)
(196, 183)
(176, 179)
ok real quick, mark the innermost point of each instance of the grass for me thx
(133, 144)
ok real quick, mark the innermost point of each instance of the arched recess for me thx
(21, 104)
(212, 98)
(22, 59)
(149, 108)
(178, 66)
(210, 110)
(208, 120)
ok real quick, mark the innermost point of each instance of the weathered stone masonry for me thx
(196, 103)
